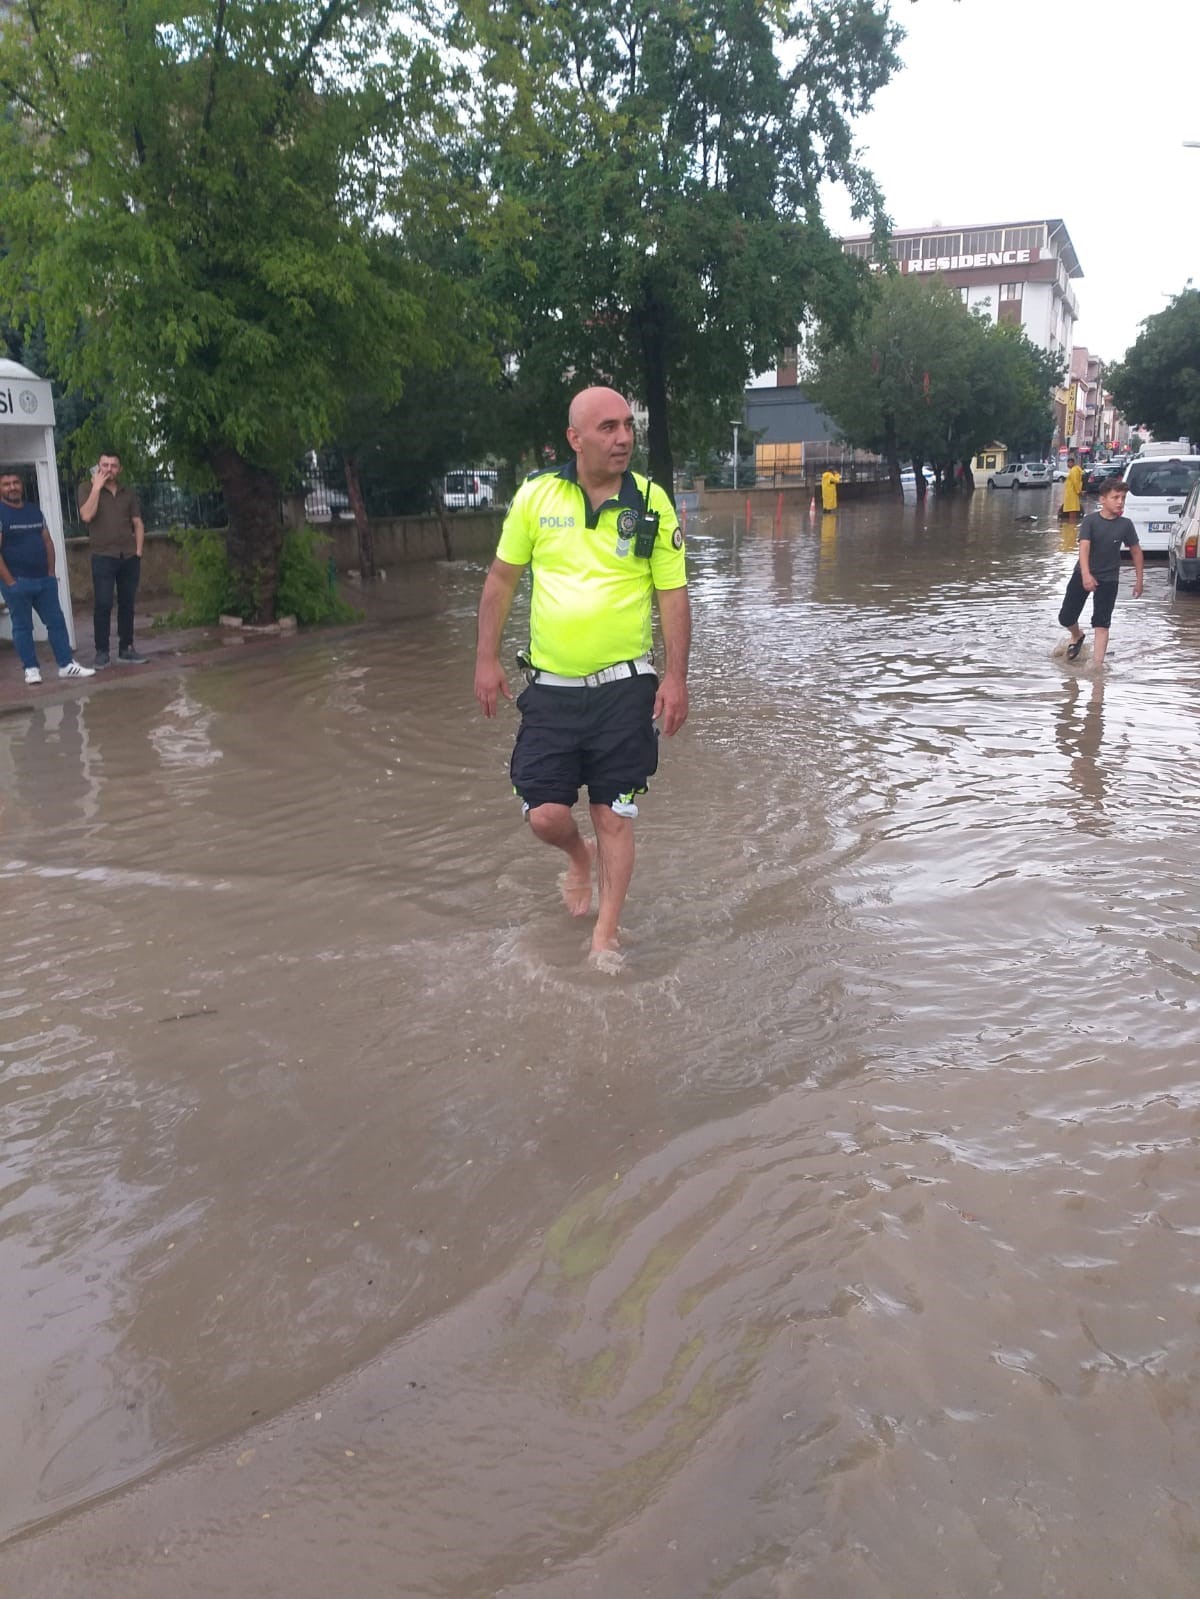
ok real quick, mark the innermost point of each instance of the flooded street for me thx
(358, 1238)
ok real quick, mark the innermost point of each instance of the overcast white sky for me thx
(1013, 110)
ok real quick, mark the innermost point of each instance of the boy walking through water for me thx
(1098, 570)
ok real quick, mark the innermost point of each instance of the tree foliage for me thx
(193, 192)
(924, 379)
(660, 167)
(1158, 382)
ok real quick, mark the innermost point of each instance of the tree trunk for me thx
(362, 527)
(891, 453)
(919, 482)
(439, 510)
(255, 539)
(648, 319)
(968, 477)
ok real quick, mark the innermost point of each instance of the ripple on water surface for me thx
(844, 1235)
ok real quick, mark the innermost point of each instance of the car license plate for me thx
(1161, 527)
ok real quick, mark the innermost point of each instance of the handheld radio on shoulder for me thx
(646, 531)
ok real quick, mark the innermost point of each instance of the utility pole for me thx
(735, 426)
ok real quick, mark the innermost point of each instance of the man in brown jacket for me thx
(116, 533)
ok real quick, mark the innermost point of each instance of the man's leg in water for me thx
(555, 824)
(1099, 646)
(614, 863)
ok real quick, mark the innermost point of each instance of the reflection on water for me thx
(1079, 731)
(842, 1239)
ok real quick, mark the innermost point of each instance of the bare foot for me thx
(577, 886)
(608, 958)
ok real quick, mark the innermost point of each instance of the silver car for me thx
(1022, 475)
(1183, 544)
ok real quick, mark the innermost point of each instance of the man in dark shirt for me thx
(1098, 570)
(28, 582)
(116, 533)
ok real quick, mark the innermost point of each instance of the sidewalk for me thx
(165, 649)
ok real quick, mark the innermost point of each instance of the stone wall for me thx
(399, 540)
(764, 498)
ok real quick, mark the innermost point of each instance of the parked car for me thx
(1183, 544)
(1097, 476)
(1158, 486)
(1022, 475)
(470, 489)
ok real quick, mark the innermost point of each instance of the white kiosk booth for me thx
(27, 442)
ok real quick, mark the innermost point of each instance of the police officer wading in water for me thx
(600, 541)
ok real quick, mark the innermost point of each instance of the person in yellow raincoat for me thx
(1073, 488)
(829, 483)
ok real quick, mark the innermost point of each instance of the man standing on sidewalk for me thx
(116, 533)
(28, 582)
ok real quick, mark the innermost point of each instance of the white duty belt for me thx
(643, 666)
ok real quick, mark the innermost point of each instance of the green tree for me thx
(899, 383)
(1158, 382)
(1012, 394)
(924, 379)
(192, 199)
(660, 167)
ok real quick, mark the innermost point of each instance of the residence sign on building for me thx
(988, 258)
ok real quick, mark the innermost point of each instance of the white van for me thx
(1158, 485)
(471, 489)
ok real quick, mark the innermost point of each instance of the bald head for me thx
(600, 431)
(588, 401)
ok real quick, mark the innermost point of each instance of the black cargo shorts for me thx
(603, 737)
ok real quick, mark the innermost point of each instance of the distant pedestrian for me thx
(1098, 570)
(29, 583)
(117, 534)
(1072, 500)
(829, 482)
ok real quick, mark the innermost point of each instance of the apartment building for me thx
(1019, 272)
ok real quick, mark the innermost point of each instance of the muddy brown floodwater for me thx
(357, 1239)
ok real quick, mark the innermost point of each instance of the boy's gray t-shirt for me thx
(1105, 538)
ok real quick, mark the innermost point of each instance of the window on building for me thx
(962, 294)
(1010, 291)
(1024, 238)
(941, 244)
(777, 459)
(981, 240)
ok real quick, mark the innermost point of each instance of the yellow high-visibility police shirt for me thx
(591, 602)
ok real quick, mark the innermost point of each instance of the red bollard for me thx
(747, 510)
(683, 519)
(779, 510)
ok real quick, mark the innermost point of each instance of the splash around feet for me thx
(608, 958)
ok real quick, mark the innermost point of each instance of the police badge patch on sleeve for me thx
(677, 538)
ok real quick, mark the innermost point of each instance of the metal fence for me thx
(164, 506)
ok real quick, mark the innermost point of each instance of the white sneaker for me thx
(32, 675)
(73, 669)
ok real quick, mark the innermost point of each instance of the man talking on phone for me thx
(116, 533)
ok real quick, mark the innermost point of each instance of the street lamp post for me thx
(735, 426)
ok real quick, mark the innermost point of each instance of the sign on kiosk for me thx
(27, 441)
